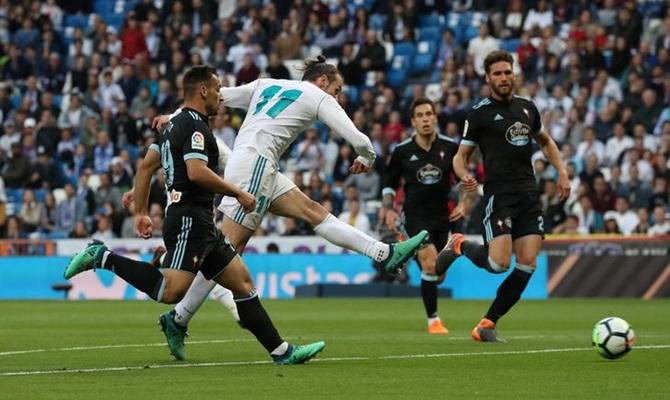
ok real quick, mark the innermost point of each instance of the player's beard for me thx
(504, 92)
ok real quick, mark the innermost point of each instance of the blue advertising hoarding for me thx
(275, 275)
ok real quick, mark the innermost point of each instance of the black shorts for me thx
(193, 243)
(516, 214)
(437, 228)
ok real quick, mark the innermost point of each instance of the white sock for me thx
(433, 319)
(193, 299)
(104, 258)
(280, 350)
(225, 297)
(344, 235)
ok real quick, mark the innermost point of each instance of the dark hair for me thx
(419, 101)
(497, 56)
(312, 69)
(195, 77)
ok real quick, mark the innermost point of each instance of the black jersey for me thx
(427, 175)
(187, 136)
(504, 130)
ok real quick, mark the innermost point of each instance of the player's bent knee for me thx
(498, 266)
(428, 267)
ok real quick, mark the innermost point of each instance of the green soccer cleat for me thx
(174, 334)
(403, 251)
(89, 258)
(299, 354)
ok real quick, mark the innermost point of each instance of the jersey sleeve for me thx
(393, 174)
(538, 127)
(195, 143)
(240, 96)
(331, 113)
(471, 130)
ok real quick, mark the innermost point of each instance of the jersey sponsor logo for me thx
(414, 158)
(518, 134)
(429, 174)
(198, 141)
(175, 196)
(498, 117)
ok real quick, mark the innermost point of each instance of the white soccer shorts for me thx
(257, 175)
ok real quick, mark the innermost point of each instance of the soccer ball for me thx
(613, 337)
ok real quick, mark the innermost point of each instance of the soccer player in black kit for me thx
(189, 156)
(423, 162)
(503, 125)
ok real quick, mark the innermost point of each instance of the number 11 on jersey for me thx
(286, 98)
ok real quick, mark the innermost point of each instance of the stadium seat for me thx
(377, 22)
(510, 45)
(114, 20)
(40, 195)
(14, 196)
(76, 21)
(432, 20)
(353, 93)
(406, 49)
(431, 34)
(425, 55)
(397, 72)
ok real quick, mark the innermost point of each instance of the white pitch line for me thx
(331, 359)
(119, 346)
(217, 341)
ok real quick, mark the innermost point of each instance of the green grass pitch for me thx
(376, 349)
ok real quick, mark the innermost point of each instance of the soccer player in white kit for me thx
(277, 112)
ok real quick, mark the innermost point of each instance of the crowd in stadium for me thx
(82, 81)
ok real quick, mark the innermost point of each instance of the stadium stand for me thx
(598, 71)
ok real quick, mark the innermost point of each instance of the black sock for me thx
(509, 292)
(478, 254)
(141, 275)
(429, 296)
(254, 318)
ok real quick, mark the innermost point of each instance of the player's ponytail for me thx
(312, 69)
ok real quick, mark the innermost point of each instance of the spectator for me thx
(17, 170)
(355, 216)
(132, 38)
(109, 92)
(276, 68)
(288, 42)
(539, 17)
(66, 210)
(331, 39)
(637, 192)
(603, 198)
(103, 153)
(104, 229)
(46, 172)
(11, 135)
(611, 224)
(643, 224)
(480, 47)
(310, 152)
(14, 228)
(660, 195)
(107, 193)
(368, 185)
(249, 72)
(617, 144)
(661, 223)
(397, 24)
(120, 177)
(30, 212)
(371, 54)
(626, 219)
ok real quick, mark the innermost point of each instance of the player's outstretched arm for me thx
(460, 164)
(550, 150)
(140, 192)
(332, 114)
(201, 175)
